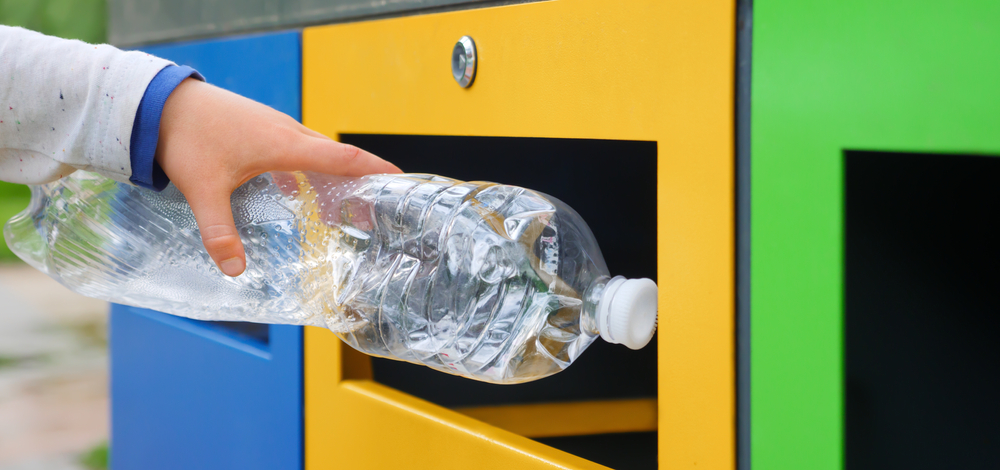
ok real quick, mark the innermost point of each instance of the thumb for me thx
(218, 231)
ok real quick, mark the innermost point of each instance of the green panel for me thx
(828, 76)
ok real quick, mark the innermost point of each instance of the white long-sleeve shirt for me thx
(66, 105)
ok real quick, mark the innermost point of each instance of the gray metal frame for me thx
(744, 41)
(138, 22)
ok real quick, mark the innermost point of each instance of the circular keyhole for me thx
(463, 61)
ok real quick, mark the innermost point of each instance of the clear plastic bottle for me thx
(492, 282)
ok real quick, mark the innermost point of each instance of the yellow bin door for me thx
(650, 70)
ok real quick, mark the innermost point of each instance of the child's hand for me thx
(212, 141)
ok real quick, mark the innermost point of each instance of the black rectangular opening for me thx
(922, 313)
(612, 184)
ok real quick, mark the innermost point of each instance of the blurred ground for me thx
(53, 372)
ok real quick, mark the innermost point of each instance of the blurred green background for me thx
(85, 20)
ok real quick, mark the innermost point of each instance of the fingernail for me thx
(232, 267)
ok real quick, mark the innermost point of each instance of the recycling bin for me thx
(873, 307)
(194, 394)
(811, 185)
(625, 110)
(563, 100)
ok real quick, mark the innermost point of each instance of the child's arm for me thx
(67, 105)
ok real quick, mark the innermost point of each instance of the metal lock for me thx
(463, 61)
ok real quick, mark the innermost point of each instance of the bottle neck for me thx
(590, 318)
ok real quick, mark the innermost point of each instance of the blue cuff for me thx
(146, 127)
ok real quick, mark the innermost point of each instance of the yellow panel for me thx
(657, 70)
(569, 418)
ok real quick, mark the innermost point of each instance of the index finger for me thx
(323, 155)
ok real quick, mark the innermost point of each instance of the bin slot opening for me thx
(922, 315)
(256, 332)
(612, 184)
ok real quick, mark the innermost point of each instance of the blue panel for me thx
(197, 395)
(266, 68)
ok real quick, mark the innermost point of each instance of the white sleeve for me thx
(66, 105)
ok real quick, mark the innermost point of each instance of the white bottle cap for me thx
(626, 313)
